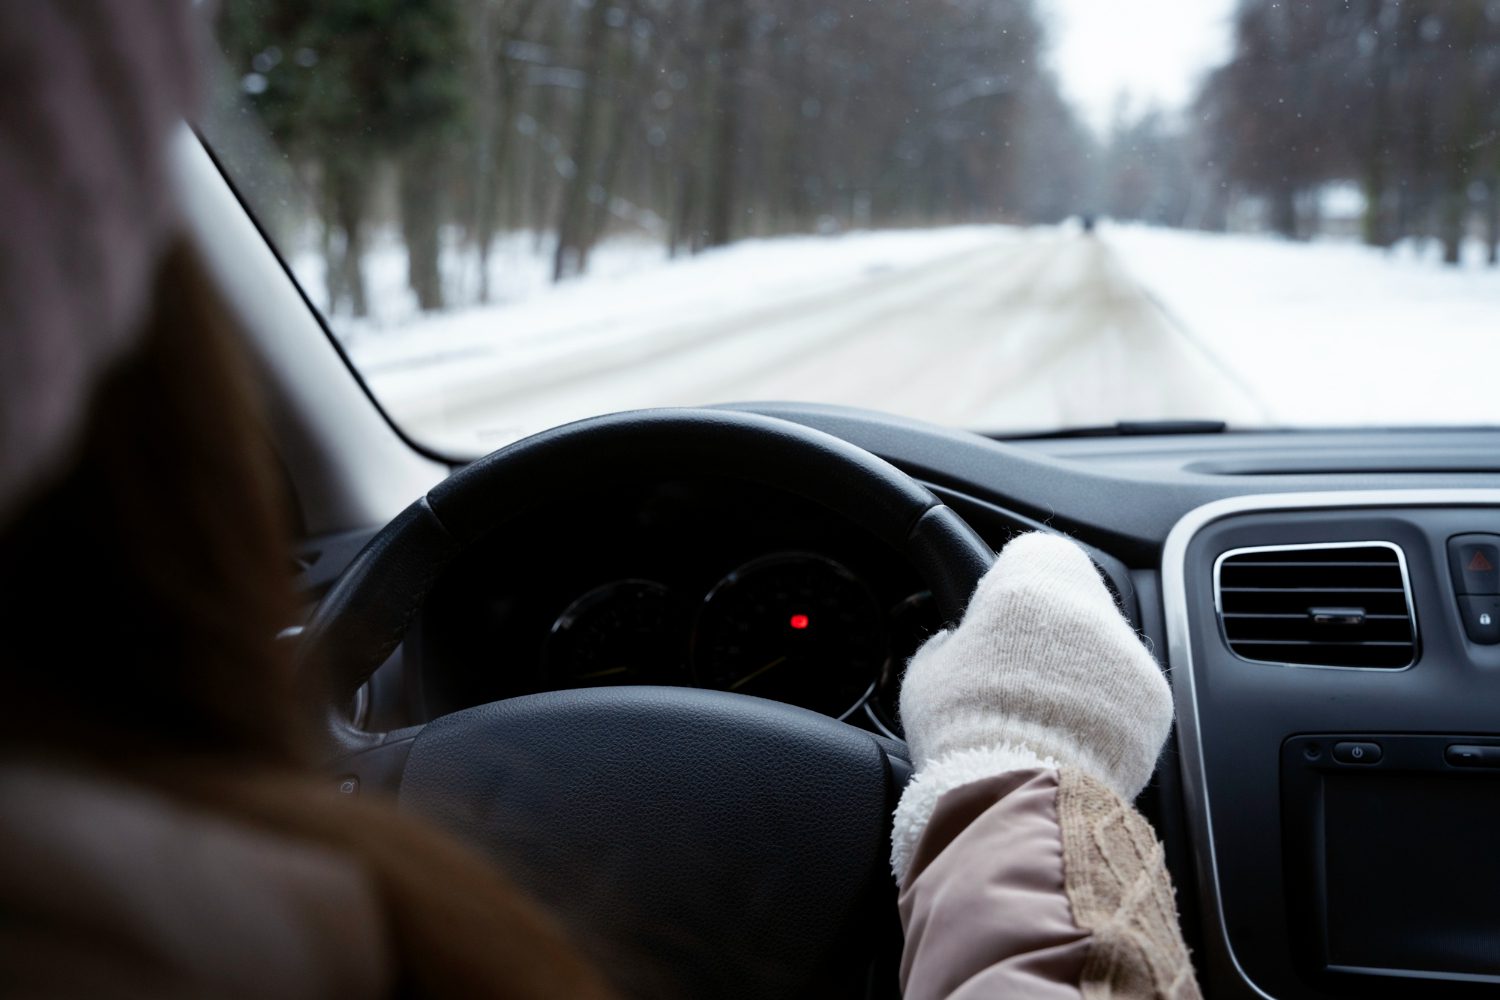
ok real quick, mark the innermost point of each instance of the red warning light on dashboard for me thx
(799, 621)
(1479, 564)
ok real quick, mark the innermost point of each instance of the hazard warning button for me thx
(1475, 562)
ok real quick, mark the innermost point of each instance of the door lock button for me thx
(1356, 753)
(1481, 617)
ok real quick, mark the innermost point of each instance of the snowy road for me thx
(1021, 329)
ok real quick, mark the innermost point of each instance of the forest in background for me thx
(700, 122)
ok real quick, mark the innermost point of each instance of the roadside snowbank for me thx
(1331, 333)
(519, 267)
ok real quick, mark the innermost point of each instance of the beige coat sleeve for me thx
(1040, 883)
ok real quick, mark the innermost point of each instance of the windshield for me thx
(1001, 215)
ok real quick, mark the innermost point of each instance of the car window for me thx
(1002, 215)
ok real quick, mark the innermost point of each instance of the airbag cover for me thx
(703, 844)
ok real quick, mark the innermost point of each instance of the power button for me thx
(1356, 753)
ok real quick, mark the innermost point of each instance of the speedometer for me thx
(792, 627)
(626, 632)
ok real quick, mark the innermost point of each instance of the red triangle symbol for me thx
(1479, 564)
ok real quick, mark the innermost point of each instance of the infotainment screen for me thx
(1411, 872)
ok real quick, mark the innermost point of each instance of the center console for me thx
(1336, 663)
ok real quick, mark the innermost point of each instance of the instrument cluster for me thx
(696, 584)
(796, 627)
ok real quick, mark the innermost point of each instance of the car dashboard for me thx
(1327, 605)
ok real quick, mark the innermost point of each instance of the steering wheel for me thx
(699, 843)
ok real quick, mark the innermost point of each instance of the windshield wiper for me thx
(1123, 428)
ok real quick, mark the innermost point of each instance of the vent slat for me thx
(1310, 577)
(1313, 590)
(1362, 555)
(1324, 642)
(1314, 564)
(1249, 614)
(1274, 603)
(1307, 630)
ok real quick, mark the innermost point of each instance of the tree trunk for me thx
(1453, 213)
(1309, 215)
(1468, 133)
(614, 155)
(624, 113)
(490, 181)
(498, 85)
(1378, 228)
(684, 212)
(572, 225)
(723, 159)
(1492, 221)
(546, 109)
(345, 191)
(421, 193)
(1375, 227)
(1284, 211)
(482, 226)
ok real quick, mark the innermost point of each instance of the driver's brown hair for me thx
(143, 590)
(146, 586)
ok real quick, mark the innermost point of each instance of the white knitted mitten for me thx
(1042, 671)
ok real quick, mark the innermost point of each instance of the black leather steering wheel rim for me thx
(711, 844)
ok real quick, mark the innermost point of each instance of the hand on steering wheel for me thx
(1042, 671)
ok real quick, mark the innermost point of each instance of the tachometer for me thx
(626, 632)
(913, 621)
(792, 627)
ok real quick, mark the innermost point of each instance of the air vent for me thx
(1334, 605)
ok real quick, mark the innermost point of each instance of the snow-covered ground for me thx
(987, 326)
(1332, 333)
(632, 289)
(450, 374)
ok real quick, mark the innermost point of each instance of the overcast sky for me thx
(1154, 50)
